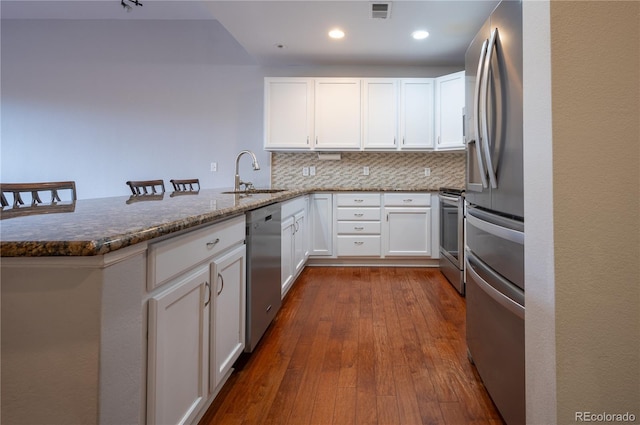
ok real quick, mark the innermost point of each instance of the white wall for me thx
(106, 101)
(540, 348)
(103, 102)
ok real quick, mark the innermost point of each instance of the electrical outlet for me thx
(305, 171)
(365, 171)
(312, 170)
(427, 171)
(214, 167)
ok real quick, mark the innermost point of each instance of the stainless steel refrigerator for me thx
(494, 251)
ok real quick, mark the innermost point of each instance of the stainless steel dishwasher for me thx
(263, 271)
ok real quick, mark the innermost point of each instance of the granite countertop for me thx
(102, 225)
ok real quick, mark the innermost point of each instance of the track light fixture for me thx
(125, 4)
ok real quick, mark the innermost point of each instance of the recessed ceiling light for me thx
(420, 35)
(336, 33)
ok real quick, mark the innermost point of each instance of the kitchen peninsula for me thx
(78, 291)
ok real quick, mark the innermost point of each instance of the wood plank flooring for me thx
(360, 345)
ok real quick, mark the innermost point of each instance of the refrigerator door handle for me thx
(483, 101)
(511, 305)
(476, 116)
(512, 235)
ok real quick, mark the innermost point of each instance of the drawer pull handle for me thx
(358, 214)
(358, 228)
(213, 243)
(358, 242)
(407, 200)
(358, 200)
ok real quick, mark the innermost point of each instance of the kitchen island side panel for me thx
(50, 344)
(73, 339)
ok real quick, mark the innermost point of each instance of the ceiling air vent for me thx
(380, 10)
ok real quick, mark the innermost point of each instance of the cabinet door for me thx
(416, 113)
(229, 308)
(228, 274)
(299, 241)
(380, 113)
(450, 112)
(337, 113)
(287, 262)
(321, 224)
(407, 232)
(288, 113)
(178, 359)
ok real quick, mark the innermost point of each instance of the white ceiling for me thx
(302, 26)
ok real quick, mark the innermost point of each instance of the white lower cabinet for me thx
(358, 224)
(287, 269)
(228, 272)
(196, 322)
(407, 224)
(321, 225)
(178, 364)
(300, 245)
(294, 245)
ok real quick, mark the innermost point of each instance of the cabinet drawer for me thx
(407, 199)
(172, 256)
(366, 214)
(292, 206)
(358, 199)
(359, 246)
(359, 227)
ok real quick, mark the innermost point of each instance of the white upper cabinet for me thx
(337, 113)
(364, 113)
(288, 113)
(416, 113)
(380, 113)
(450, 112)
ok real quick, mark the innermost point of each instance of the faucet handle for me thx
(247, 186)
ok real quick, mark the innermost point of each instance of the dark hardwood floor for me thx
(360, 345)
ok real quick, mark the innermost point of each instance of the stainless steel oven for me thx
(452, 236)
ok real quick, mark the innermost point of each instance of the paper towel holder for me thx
(326, 156)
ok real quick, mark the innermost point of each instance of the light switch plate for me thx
(312, 170)
(427, 171)
(305, 171)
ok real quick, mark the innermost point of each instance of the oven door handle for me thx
(453, 199)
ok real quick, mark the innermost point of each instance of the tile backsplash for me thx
(386, 169)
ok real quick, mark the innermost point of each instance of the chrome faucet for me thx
(256, 166)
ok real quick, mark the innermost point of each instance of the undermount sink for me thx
(253, 191)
